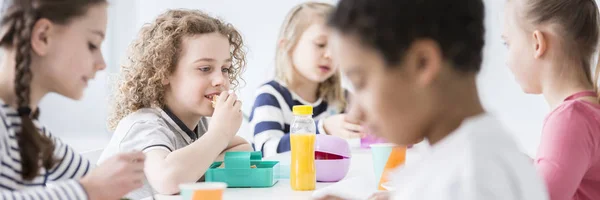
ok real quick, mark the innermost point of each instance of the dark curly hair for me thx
(390, 27)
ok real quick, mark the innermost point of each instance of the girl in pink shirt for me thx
(551, 43)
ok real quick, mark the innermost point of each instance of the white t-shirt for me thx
(478, 161)
(150, 129)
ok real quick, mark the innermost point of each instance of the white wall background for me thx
(83, 123)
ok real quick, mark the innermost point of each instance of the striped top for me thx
(272, 115)
(61, 182)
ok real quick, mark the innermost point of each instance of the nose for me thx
(219, 79)
(100, 63)
(101, 66)
(327, 52)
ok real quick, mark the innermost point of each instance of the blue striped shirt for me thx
(272, 115)
(60, 182)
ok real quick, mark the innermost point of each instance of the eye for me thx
(321, 45)
(227, 70)
(205, 68)
(92, 47)
(358, 86)
(357, 83)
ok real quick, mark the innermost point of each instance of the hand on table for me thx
(337, 125)
(376, 196)
(330, 197)
(380, 196)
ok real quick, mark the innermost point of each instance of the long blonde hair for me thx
(154, 54)
(295, 23)
(578, 33)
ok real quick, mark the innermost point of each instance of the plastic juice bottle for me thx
(303, 175)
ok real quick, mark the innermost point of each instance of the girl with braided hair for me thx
(52, 46)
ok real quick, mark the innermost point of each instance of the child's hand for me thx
(227, 117)
(115, 177)
(338, 126)
(380, 196)
(330, 197)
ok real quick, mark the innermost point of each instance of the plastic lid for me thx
(332, 145)
(303, 110)
(241, 159)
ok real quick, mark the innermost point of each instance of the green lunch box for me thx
(238, 173)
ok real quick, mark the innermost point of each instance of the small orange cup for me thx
(397, 157)
(202, 191)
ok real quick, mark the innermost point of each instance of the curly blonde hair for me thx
(153, 56)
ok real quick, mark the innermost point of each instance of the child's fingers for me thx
(330, 197)
(353, 127)
(237, 105)
(223, 96)
(362, 134)
(137, 166)
(350, 134)
(137, 156)
(231, 99)
(380, 196)
(134, 179)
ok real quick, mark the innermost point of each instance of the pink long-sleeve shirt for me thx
(569, 153)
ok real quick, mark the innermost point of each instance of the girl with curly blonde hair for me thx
(179, 65)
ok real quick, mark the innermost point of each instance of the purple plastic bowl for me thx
(332, 170)
(332, 145)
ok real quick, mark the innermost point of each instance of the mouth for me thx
(324, 68)
(85, 80)
(212, 96)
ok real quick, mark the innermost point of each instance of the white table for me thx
(361, 168)
(359, 183)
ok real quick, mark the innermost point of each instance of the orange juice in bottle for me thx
(303, 175)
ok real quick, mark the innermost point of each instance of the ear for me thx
(165, 81)
(540, 44)
(424, 61)
(40, 36)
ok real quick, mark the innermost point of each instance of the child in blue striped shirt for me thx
(305, 75)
